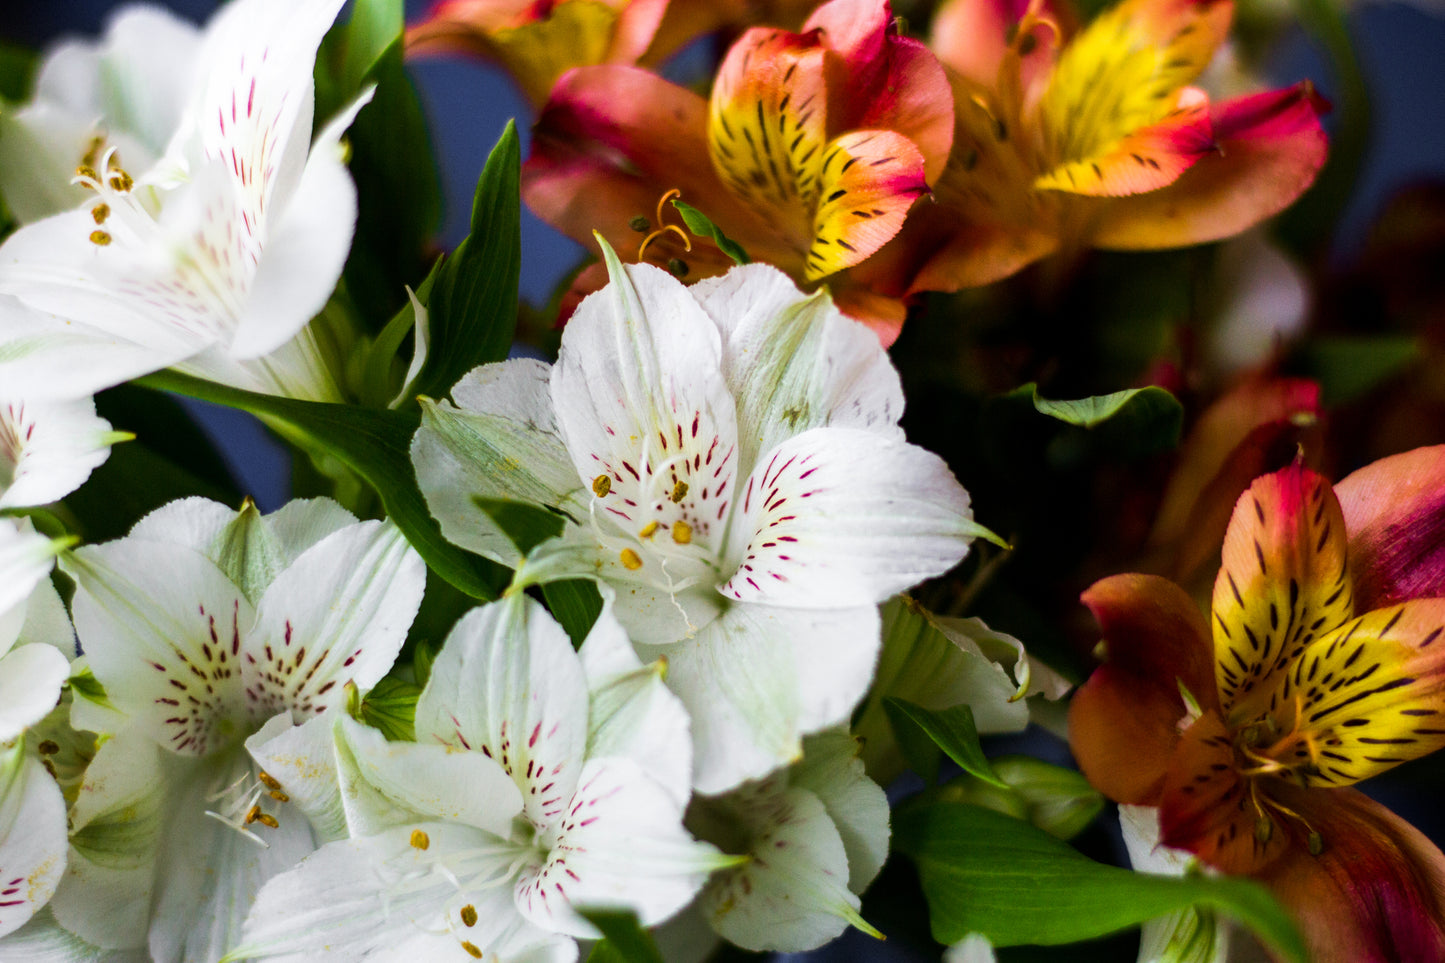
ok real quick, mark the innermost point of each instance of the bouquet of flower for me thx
(646, 624)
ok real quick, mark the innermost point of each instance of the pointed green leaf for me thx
(376, 445)
(952, 730)
(700, 224)
(989, 873)
(624, 940)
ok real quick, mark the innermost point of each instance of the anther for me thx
(268, 820)
(679, 492)
(99, 238)
(48, 748)
(677, 267)
(471, 950)
(253, 814)
(640, 224)
(681, 532)
(268, 780)
(419, 839)
(92, 152)
(630, 560)
(1316, 844)
(648, 530)
(87, 172)
(1263, 829)
(121, 182)
(279, 796)
(469, 915)
(100, 212)
(601, 485)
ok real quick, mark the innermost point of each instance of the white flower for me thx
(542, 781)
(49, 448)
(730, 460)
(202, 625)
(32, 837)
(817, 834)
(214, 257)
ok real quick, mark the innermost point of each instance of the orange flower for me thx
(1323, 663)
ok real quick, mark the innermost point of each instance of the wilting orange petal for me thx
(1283, 583)
(1376, 891)
(1270, 147)
(1395, 512)
(1123, 722)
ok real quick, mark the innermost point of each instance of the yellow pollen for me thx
(648, 530)
(681, 532)
(630, 560)
(469, 915)
(268, 820)
(419, 839)
(601, 485)
(99, 238)
(86, 171)
(279, 796)
(268, 780)
(471, 950)
(253, 814)
(679, 492)
(100, 212)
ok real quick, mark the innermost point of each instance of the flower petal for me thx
(32, 838)
(867, 183)
(1394, 510)
(1123, 720)
(839, 516)
(508, 684)
(1283, 584)
(832, 771)
(302, 759)
(30, 681)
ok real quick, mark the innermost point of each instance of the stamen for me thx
(253, 814)
(121, 182)
(630, 559)
(679, 492)
(268, 780)
(268, 820)
(648, 529)
(601, 485)
(279, 796)
(662, 228)
(100, 212)
(99, 238)
(92, 152)
(677, 267)
(640, 224)
(471, 950)
(469, 915)
(419, 839)
(681, 532)
(87, 173)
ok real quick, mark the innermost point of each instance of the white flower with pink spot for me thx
(729, 459)
(216, 256)
(542, 782)
(203, 625)
(49, 448)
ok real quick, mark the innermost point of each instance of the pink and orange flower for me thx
(810, 153)
(1322, 663)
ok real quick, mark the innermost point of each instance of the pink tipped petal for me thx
(971, 36)
(1271, 146)
(869, 181)
(1395, 514)
(916, 101)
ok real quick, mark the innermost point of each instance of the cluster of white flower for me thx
(197, 780)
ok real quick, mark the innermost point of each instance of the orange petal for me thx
(1271, 147)
(972, 37)
(1395, 513)
(1376, 891)
(1123, 722)
(1283, 584)
(868, 180)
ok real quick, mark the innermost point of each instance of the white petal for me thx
(381, 899)
(32, 838)
(302, 522)
(47, 622)
(43, 940)
(115, 839)
(193, 522)
(840, 516)
(759, 678)
(621, 845)
(406, 782)
(793, 895)
(162, 627)
(794, 361)
(39, 148)
(30, 681)
(974, 948)
(47, 449)
(832, 771)
(303, 760)
(26, 557)
(1194, 935)
(339, 613)
(499, 441)
(508, 684)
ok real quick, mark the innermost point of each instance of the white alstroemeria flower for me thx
(542, 781)
(216, 257)
(730, 459)
(127, 90)
(202, 625)
(49, 448)
(973, 948)
(32, 837)
(817, 833)
(35, 650)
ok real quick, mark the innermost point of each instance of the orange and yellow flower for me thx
(1096, 138)
(810, 152)
(1322, 663)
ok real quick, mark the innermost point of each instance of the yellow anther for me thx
(92, 153)
(469, 915)
(99, 238)
(100, 212)
(253, 814)
(419, 839)
(268, 780)
(279, 796)
(471, 950)
(268, 820)
(1263, 829)
(88, 172)
(630, 559)
(601, 485)
(681, 532)
(121, 182)
(679, 492)
(1316, 844)
(648, 530)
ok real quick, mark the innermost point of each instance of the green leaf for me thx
(700, 224)
(473, 305)
(376, 446)
(1057, 800)
(351, 49)
(17, 71)
(1350, 366)
(527, 525)
(1151, 404)
(624, 940)
(575, 604)
(952, 730)
(390, 708)
(988, 873)
(86, 686)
